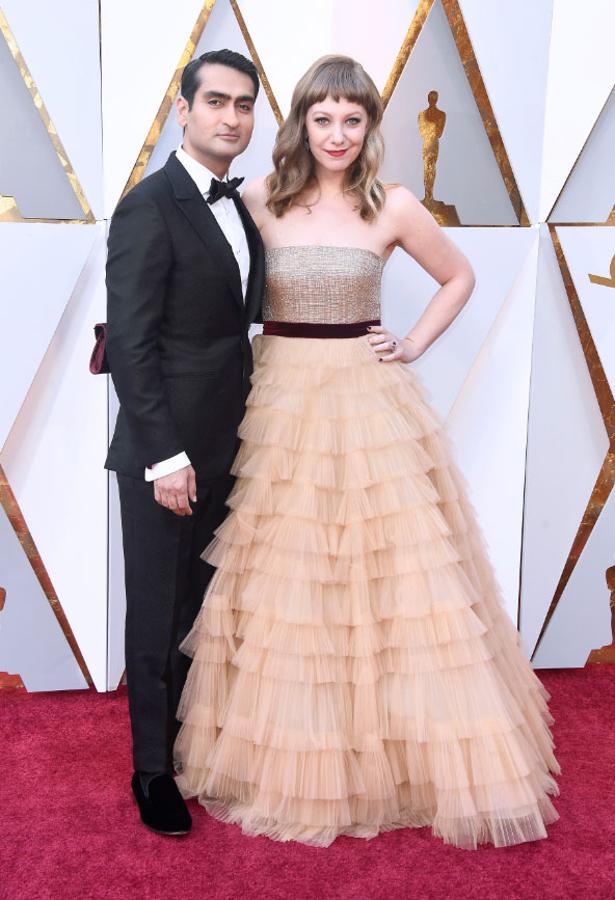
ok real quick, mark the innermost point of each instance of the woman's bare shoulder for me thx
(405, 213)
(255, 191)
(399, 199)
(254, 195)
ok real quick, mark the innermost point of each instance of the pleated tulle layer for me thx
(353, 669)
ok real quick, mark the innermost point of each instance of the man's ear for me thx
(181, 109)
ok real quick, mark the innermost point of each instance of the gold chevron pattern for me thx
(10, 213)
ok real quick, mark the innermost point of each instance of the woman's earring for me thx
(306, 142)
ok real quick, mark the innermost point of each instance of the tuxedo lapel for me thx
(200, 216)
(204, 223)
(254, 290)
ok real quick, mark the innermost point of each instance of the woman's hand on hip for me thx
(389, 348)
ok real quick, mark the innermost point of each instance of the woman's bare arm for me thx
(415, 231)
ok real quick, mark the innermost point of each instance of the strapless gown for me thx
(353, 668)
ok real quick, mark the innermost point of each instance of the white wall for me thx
(510, 377)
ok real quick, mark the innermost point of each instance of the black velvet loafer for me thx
(163, 810)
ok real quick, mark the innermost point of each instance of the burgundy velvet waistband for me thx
(318, 330)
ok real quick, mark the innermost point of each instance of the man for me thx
(184, 278)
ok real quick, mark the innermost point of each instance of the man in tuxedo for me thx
(184, 282)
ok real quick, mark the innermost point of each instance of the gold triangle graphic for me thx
(477, 86)
(9, 212)
(494, 323)
(9, 503)
(606, 477)
(153, 134)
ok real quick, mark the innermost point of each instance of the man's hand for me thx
(176, 490)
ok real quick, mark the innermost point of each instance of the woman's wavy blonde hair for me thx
(330, 76)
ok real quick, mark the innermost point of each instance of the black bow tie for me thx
(223, 189)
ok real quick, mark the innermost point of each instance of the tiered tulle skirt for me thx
(353, 670)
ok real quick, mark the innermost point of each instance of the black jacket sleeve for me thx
(138, 264)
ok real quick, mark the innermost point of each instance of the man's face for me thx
(219, 126)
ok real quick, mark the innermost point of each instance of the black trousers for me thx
(165, 582)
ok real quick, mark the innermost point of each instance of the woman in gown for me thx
(353, 668)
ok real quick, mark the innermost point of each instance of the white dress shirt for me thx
(228, 219)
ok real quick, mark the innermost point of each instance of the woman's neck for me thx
(329, 184)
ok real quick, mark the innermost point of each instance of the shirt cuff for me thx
(166, 466)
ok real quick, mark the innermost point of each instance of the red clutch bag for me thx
(98, 359)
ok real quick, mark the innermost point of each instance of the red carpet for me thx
(70, 829)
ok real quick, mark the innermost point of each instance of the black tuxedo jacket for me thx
(177, 326)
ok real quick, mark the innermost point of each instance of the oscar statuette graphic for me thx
(431, 122)
(606, 654)
(8, 209)
(9, 682)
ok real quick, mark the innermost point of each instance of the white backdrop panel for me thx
(362, 31)
(60, 42)
(32, 301)
(54, 459)
(589, 193)
(497, 255)
(289, 44)
(581, 76)
(142, 42)
(514, 38)
(31, 642)
(30, 169)
(475, 356)
(488, 425)
(476, 374)
(582, 621)
(222, 30)
(567, 443)
(467, 171)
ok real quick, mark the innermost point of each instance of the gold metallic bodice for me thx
(322, 284)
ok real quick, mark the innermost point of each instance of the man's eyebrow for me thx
(220, 95)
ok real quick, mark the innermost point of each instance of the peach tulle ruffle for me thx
(353, 668)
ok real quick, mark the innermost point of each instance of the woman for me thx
(353, 668)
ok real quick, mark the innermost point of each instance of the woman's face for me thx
(336, 131)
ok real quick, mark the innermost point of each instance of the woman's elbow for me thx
(469, 277)
(467, 283)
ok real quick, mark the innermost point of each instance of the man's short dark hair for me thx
(190, 76)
